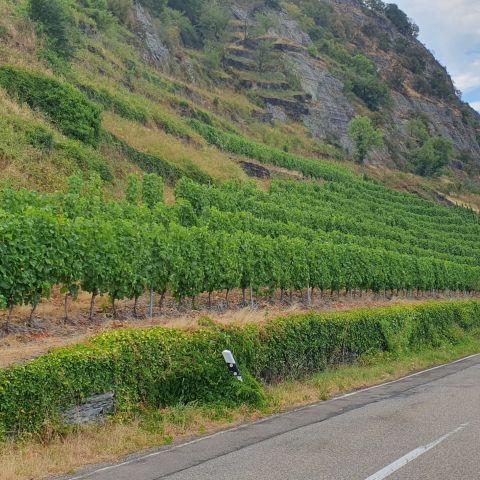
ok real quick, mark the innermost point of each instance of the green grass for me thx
(367, 371)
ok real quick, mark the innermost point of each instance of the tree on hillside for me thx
(215, 22)
(263, 23)
(178, 29)
(375, 5)
(191, 8)
(365, 136)
(122, 9)
(264, 55)
(156, 6)
(435, 154)
(215, 27)
(250, 10)
(400, 19)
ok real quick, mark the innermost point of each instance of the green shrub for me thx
(191, 8)
(155, 164)
(152, 190)
(401, 20)
(433, 155)
(99, 11)
(57, 23)
(156, 6)
(370, 89)
(115, 104)
(414, 58)
(159, 366)
(365, 136)
(86, 158)
(40, 138)
(64, 105)
(148, 163)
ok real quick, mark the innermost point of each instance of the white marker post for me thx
(231, 364)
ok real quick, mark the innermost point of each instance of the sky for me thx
(451, 30)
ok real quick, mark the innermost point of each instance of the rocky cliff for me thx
(310, 81)
(290, 74)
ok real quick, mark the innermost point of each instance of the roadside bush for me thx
(63, 104)
(154, 367)
(159, 366)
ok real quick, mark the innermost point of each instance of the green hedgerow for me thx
(159, 366)
(64, 105)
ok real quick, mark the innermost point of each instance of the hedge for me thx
(67, 107)
(239, 145)
(160, 366)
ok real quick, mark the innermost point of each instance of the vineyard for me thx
(337, 233)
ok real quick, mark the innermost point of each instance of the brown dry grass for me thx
(108, 442)
(466, 200)
(19, 37)
(154, 141)
(22, 165)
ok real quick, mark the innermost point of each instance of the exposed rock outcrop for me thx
(330, 107)
(156, 49)
(306, 87)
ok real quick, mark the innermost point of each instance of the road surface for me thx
(425, 426)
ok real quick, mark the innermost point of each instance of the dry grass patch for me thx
(113, 440)
(156, 142)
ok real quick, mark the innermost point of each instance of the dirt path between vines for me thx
(51, 331)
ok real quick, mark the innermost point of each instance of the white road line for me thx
(421, 372)
(222, 432)
(409, 457)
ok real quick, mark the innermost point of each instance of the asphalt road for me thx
(426, 426)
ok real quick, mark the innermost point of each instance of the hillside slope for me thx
(287, 74)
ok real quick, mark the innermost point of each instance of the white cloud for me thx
(468, 81)
(451, 29)
(476, 106)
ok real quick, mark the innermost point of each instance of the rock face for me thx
(317, 97)
(254, 170)
(156, 49)
(329, 109)
(92, 410)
